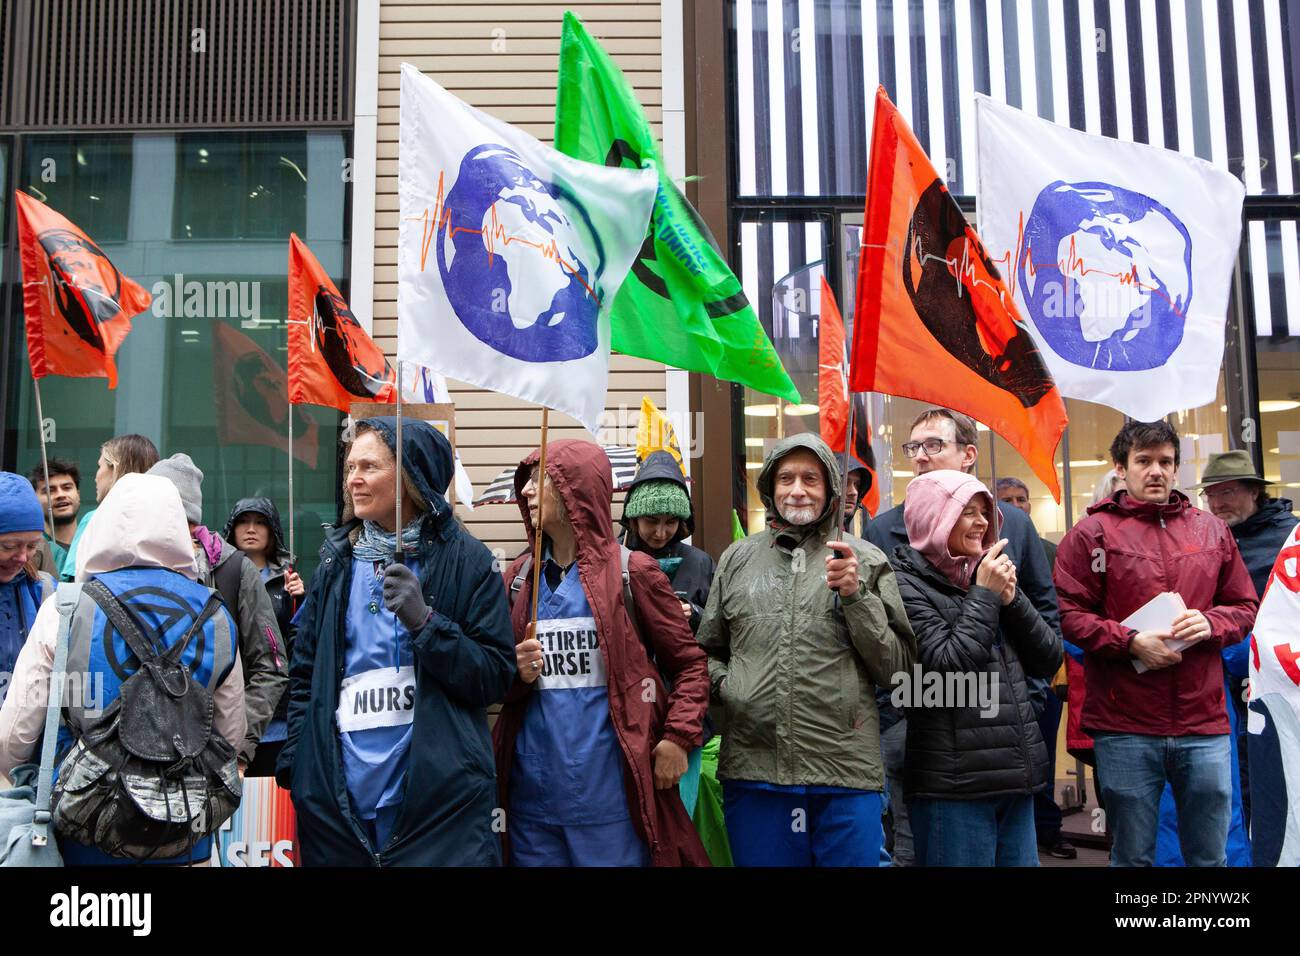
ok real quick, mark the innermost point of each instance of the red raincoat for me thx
(580, 471)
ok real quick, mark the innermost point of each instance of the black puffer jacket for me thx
(956, 753)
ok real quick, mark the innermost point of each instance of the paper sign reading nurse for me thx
(509, 253)
(1119, 256)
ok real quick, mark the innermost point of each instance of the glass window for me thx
(202, 371)
(1277, 350)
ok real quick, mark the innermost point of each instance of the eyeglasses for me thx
(932, 446)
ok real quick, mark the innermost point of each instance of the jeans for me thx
(1136, 767)
(989, 831)
(794, 827)
(893, 747)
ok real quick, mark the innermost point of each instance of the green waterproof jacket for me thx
(792, 664)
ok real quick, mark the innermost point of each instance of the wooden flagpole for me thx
(541, 510)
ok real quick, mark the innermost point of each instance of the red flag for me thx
(77, 306)
(332, 361)
(250, 396)
(861, 451)
(832, 371)
(934, 320)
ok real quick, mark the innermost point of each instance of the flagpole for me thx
(844, 471)
(45, 461)
(541, 507)
(292, 552)
(397, 548)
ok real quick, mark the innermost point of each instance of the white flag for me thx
(509, 253)
(1119, 256)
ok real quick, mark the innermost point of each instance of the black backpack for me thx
(149, 777)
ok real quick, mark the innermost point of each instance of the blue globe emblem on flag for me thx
(513, 251)
(1105, 274)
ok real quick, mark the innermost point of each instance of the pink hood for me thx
(934, 502)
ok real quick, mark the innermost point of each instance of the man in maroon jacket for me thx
(1169, 722)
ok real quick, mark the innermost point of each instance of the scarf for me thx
(376, 544)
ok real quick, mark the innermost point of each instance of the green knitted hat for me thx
(662, 497)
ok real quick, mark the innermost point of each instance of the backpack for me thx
(149, 777)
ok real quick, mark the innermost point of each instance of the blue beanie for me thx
(20, 509)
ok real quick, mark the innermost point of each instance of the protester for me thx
(856, 485)
(976, 759)
(611, 688)
(137, 548)
(1168, 723)
(1107, 485)
(657, 515)
(1274, 721)
(1014, 492)
(1236, 494)
(799, 626)
(22, 587)
(63, 500)
(409, 782)
(254, 528)
(224, 567)
(120, 455)
(943, 439)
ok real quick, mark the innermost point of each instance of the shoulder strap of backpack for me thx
(521, 576)
(68, 596)
(625, 558)
(128, 625)
(226, 579)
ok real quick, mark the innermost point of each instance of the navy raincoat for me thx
(464, 661)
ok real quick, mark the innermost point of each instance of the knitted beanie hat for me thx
(20, 509)
(181, 471)
(661, 497)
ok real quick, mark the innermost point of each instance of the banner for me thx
(1119, 256)
(933, 320)
(333, 361)
(77, 307)
(509, 253)
(262, 832)
(682, 305)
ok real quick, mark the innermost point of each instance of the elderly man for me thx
(1234, 493)
(800, 626)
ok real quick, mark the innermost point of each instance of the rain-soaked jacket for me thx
(794, 665)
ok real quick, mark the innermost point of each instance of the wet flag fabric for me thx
(333, 361)
(509, 253)
(1119, 256)
(77, 306)
(934, 321)
(682, 305)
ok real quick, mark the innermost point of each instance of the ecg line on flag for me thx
(433, 224)
(1073, 266)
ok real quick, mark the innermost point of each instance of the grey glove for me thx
(402, 596)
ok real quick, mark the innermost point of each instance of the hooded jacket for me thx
(695, 573)
(793, 663)
(1120, 556)
(980, 746)
(581, 476)
(1261, 536)
(140, 526)
(464, 661)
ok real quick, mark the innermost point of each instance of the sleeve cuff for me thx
(680, 741)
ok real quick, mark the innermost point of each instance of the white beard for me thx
(798, 515)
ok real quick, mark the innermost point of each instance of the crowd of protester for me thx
(813, 698)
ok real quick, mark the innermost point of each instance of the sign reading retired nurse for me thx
(571, 655)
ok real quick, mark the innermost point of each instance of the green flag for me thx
(737, 529)
(681, 304)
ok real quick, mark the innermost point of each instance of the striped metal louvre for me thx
(1218, 79)
(6, 11)
(139, 64)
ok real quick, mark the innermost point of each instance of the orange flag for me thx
(332, 361)
(250, 391)
(832, 371)
(934, 320)
(77, 306)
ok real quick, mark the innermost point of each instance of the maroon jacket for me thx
(1148, 549)
(580, 471)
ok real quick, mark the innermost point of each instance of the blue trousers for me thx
(1134, 769)
(604, 844)
(989, 831)
(1047, 814)
(791, 826)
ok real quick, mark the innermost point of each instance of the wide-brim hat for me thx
(1229, 466)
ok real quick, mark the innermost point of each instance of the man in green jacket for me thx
(799, 627)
